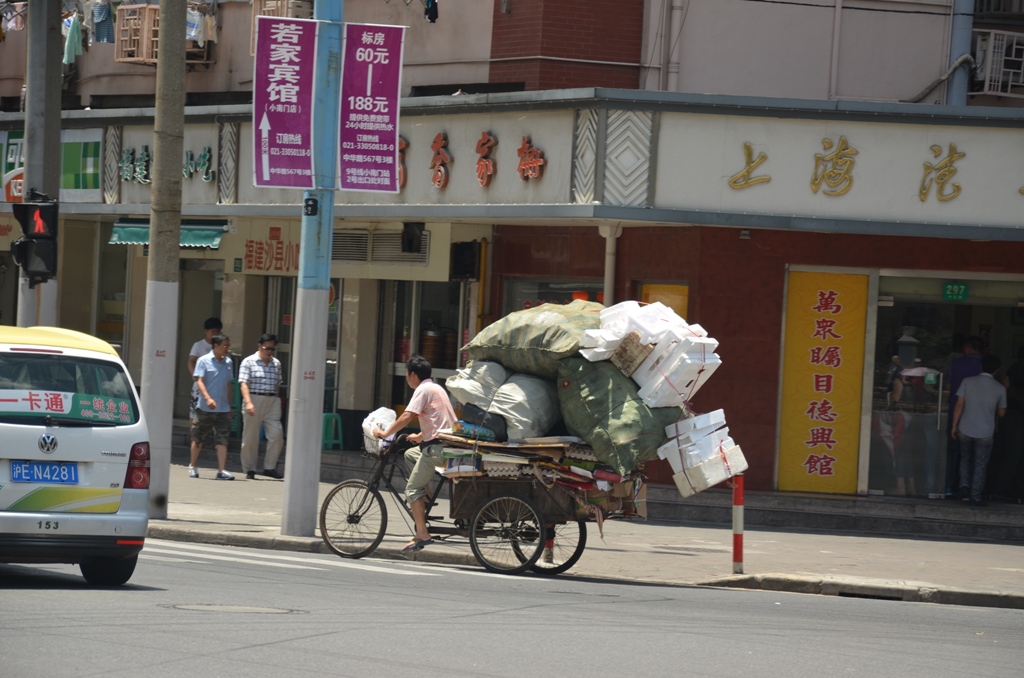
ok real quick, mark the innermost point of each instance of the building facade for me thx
(759, 167)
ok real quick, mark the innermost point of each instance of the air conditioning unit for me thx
(999, 56)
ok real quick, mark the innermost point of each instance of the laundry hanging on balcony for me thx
(102, 22)
(430, 10)
(195, 26)
(73, 41)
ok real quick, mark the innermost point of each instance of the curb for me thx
(442, 556)
(850, 587)
(877, 589)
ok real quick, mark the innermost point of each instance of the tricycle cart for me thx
(513, 524)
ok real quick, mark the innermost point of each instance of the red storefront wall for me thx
(736, 294)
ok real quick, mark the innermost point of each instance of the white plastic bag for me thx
(380, 418)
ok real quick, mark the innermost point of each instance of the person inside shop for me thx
(259, 380)
(895, 381)
(429, 403)
(968, 365)
(980, 399)
(1010, 478)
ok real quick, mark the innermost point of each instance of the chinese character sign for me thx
(371, 84)
(71, 405)
(282, 100)
(823, 374)
(12, 165)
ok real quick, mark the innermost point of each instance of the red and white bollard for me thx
(737, 524)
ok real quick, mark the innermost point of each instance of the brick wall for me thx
(584, 30)
(736, 292)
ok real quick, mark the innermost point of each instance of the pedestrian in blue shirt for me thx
(213, 375)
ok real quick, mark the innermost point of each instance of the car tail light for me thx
(137, 477)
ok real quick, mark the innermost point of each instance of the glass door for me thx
(909, 398)
(922, 326)
(281, 299)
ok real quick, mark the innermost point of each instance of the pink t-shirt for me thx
(430, 403)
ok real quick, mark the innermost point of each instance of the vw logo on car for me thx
(47, 443)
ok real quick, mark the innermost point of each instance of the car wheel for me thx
(109, 571)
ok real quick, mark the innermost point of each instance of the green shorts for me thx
(420, 463)
(217, 423)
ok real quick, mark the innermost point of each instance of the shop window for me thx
(110, 287)
(676, 297)
(137, 33)
(525, 293)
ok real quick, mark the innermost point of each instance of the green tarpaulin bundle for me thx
(534, 340)
(600, 404)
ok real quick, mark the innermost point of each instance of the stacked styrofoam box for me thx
(599, 344)
(701, 453)
(695, 439)
(728, 462)
(682, 359)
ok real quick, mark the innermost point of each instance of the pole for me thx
(160, 330)
(737, 524)
(42, 140)
(306, 381)
(960, 44)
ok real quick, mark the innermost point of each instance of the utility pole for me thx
(306, 382)
(960, 44)
(160, 331)
(43, 76)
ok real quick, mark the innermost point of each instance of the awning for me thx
(194, 232)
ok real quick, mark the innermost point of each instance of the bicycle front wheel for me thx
(506, 535)
(353, 519)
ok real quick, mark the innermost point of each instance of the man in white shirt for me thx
(259, 379)
(980, 399)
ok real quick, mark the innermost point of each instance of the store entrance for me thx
(919, 334)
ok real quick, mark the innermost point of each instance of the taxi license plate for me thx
(44, 472)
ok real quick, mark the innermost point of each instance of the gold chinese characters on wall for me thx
(833, 172)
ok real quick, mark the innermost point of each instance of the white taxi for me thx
(74, 455)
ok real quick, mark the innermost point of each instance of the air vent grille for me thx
(379, 247)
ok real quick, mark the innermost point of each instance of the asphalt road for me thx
(195, 610)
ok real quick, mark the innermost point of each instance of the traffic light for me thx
(36, 250)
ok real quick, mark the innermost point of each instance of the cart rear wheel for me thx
(505, 535)
(562, 548)
(353, 519)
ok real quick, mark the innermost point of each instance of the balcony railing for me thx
(137, 34)
(998, 7)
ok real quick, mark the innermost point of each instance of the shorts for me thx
(217, 423)
(420, 463)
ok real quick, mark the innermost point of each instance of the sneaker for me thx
(250, 475)
(272, 473)
(224, 475)
(193, 472)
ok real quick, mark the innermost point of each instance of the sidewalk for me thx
(248, 513)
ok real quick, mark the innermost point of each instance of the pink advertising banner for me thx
(371, 85)
(282, 100)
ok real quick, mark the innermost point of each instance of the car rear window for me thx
(37, 385)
